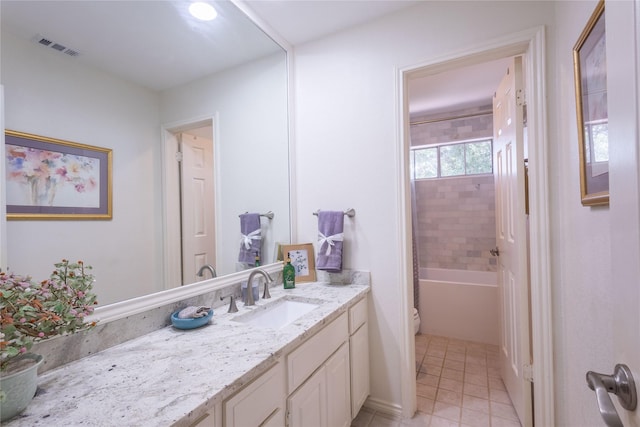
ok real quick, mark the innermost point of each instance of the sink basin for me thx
(277, 314)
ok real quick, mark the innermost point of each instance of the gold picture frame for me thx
(590, 74)
(53, 179)
(303, 259)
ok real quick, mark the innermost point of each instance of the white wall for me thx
(347, 140)
(249, 104)
(347, 156)
(49, 94)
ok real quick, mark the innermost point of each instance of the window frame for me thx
(438, 146)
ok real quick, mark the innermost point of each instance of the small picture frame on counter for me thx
(303, 260)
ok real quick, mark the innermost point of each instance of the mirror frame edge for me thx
(130, 307)
(289, 50)
(3, 192)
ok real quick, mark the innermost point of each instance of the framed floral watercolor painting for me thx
(49, 178)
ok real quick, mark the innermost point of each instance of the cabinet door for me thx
(275, 420)
(338, 388)
(256, 403)
(207, 420)
(304, 360)
(359, 348)
(308, 405)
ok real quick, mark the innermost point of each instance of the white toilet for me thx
(416, 321)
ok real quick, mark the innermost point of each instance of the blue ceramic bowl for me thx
(190, 323)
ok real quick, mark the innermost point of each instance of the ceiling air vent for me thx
(57, 46)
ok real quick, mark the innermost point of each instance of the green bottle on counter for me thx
(289, 274)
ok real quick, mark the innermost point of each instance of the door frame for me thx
(531, 44)
(3, 192)
(172, 250)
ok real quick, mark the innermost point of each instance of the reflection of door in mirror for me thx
(190, 202)
(197, 203)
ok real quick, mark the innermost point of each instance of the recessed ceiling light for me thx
(203, 11)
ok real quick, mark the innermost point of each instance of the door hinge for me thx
(527, 372)
(520, 97)
(178, 156)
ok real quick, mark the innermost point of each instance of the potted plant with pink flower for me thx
(34, 311)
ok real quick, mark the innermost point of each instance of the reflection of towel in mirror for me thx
(193, 312)
(330, 236)
(251, 240)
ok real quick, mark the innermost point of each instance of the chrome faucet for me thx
(232, 304)
(207, 267)
(249, 299)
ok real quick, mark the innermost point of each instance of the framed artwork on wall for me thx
(303, 259)
(590, 74)
(52, 179)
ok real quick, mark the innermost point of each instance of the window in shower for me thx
(454, 159)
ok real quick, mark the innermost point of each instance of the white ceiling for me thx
(303, 21)
(457, 89)
(300, 21)
(156, 43)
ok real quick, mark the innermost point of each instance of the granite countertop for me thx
(171, 376)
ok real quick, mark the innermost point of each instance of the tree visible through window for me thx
(464, 158)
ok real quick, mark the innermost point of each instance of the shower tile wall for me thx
(443, 131)
(456, 216)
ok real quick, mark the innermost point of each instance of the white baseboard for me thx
(387, 408)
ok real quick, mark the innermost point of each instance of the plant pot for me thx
(18, 388)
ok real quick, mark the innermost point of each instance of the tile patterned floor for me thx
(458, 385)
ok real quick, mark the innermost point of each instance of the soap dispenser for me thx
(289, 274)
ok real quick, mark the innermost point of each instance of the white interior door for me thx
(508, 147)
(623, 93)
(198, 230)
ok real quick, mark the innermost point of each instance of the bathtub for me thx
(460, 304)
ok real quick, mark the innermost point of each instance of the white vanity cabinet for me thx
(207, 420)
(323, 400)
(261, 403)
(359, 355)
(321, 383)
(319, 380)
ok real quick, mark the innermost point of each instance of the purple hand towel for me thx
(251, 239)
(330, 237)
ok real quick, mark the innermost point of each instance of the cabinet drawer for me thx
(311, 354)
(256, 403)
(357, 315)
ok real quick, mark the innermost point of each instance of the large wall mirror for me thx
(146, 79)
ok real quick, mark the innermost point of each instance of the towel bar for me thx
(267, 215)
(349, 212)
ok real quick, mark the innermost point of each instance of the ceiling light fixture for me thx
(202, 11)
